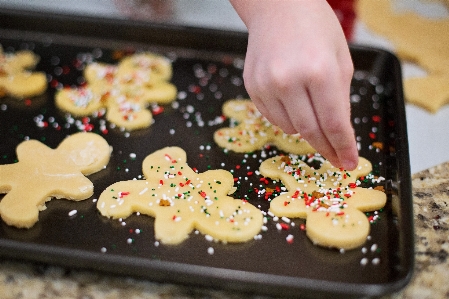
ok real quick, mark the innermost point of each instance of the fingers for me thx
(330, 101)
(316, 105)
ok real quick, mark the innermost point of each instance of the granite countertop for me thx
(431, 210)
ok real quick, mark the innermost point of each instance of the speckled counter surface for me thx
(431, 209)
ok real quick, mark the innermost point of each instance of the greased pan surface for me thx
(205, 78)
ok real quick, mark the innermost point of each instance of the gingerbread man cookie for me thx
(182, 200)
(125, 90)
(253, 131)
(419, 39)
(43, 173)
(15, 78)
(329, 198)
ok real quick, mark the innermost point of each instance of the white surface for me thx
(427, 133)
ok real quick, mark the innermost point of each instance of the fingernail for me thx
(349, 164)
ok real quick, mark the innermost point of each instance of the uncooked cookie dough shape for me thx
(328, 198)
(253, 131)
(16, 79)
(182, 200)
(42, 173)
(418, 39)
(124, 90)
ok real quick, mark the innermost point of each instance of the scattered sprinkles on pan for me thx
(211, 79)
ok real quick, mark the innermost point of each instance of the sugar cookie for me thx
(125, 90)
(329, 198)
(253, 131)
(15, 78)
(182, 200)
(43, 173)
(418, 39)
(430, 92)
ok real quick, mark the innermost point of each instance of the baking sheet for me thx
(205, 78)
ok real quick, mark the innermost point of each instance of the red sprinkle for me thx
(284, 226)
(376, 118)
(122, 194)
(158, 110)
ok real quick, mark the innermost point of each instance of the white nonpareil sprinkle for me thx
(364, 261)
(375, 261)
(210, 250)
(73, 213)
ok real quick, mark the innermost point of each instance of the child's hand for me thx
(298, 72)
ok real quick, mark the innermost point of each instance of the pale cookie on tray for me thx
(124, 90)
(42, 173)
(253, 131)
(16, 79)
(330, 199)
(182, 200)
(418, 39)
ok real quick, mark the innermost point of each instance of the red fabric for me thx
(344, 9)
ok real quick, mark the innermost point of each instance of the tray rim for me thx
(33, 23)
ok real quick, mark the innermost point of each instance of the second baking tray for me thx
(207, 67)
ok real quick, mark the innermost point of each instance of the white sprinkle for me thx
(156, 243)
(129, 241)
(285, 219)
(364, 261)
(375, 261)
(289, 238)
(103, 249)
(143, 191)
(209, 238)
(210, 250)
(132, 155)
(73, 213)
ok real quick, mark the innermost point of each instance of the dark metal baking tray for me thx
(207, 71)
